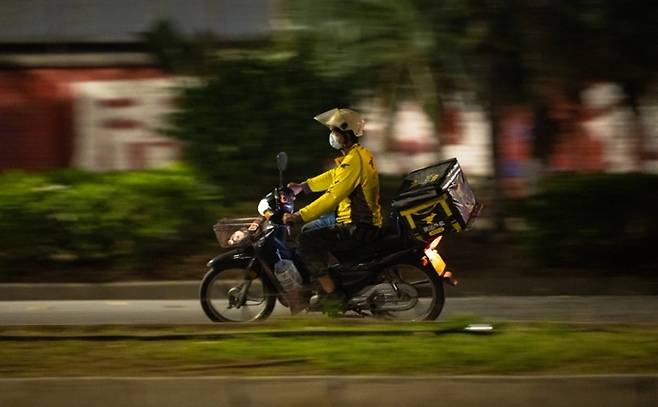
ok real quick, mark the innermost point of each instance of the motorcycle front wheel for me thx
(228, 294)
(426, 285)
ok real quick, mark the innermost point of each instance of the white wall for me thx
(141, 105)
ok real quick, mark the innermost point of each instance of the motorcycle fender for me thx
(232, 254)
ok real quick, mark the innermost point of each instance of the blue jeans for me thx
(321, 222)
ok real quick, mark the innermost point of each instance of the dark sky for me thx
(119, 20)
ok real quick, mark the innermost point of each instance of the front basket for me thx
(236, 232)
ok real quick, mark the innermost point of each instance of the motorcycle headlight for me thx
(264, 206)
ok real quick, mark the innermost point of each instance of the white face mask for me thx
(334, 141)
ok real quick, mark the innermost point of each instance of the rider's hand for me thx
(292, 218)
(296, 188)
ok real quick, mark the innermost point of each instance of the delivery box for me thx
(435, 200)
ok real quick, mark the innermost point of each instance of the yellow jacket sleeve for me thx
(322, 182)
(345, 178)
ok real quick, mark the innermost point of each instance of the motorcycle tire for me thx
(435, 282)
(238, 267)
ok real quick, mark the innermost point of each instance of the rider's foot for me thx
(331, 304)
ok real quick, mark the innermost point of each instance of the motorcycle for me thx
(398, 276)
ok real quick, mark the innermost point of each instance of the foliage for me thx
(177, 53)
(387, 44)
(128, 217)
(596, 221)
(424, 349)
(503, 52)
(577, 42)
(497, 49)
(248, 110)
(419, 49)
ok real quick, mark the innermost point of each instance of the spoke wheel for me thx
(228, 295)
(427, 285)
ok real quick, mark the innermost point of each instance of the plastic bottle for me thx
(287, 274)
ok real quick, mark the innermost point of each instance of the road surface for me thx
(631, 309)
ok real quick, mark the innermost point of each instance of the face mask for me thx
(334, 141)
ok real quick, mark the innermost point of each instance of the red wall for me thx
(36, 113)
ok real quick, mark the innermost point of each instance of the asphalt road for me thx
(632, 309)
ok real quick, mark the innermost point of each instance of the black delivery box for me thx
(435, 200)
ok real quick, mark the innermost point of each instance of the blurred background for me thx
(128, 127)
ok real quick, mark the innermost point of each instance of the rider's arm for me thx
(345, 179)
(321, 182)
(315, 184)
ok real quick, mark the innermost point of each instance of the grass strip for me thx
(413, 349)
(299, 325)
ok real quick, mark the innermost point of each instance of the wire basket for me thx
(235, 232)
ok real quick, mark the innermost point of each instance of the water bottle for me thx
(287, 274)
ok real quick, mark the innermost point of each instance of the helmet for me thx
(343, 119)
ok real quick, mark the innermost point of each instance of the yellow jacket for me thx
(352, 187)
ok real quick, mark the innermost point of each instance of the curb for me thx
(188, 289)
(321, 391)
(212, 336)
(166, 290)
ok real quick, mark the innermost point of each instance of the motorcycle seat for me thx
(385, 245)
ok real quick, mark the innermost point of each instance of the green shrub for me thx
(601, 220)
(126, 217)
(235, 122)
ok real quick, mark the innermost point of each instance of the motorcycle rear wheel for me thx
(218, 294)
(428, 285)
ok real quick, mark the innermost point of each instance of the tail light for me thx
(434, 258)
(434, 243)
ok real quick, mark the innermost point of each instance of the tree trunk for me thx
(497, 209)
(639, 133)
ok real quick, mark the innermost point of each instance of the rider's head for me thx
(341, 140)
(346, 127)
